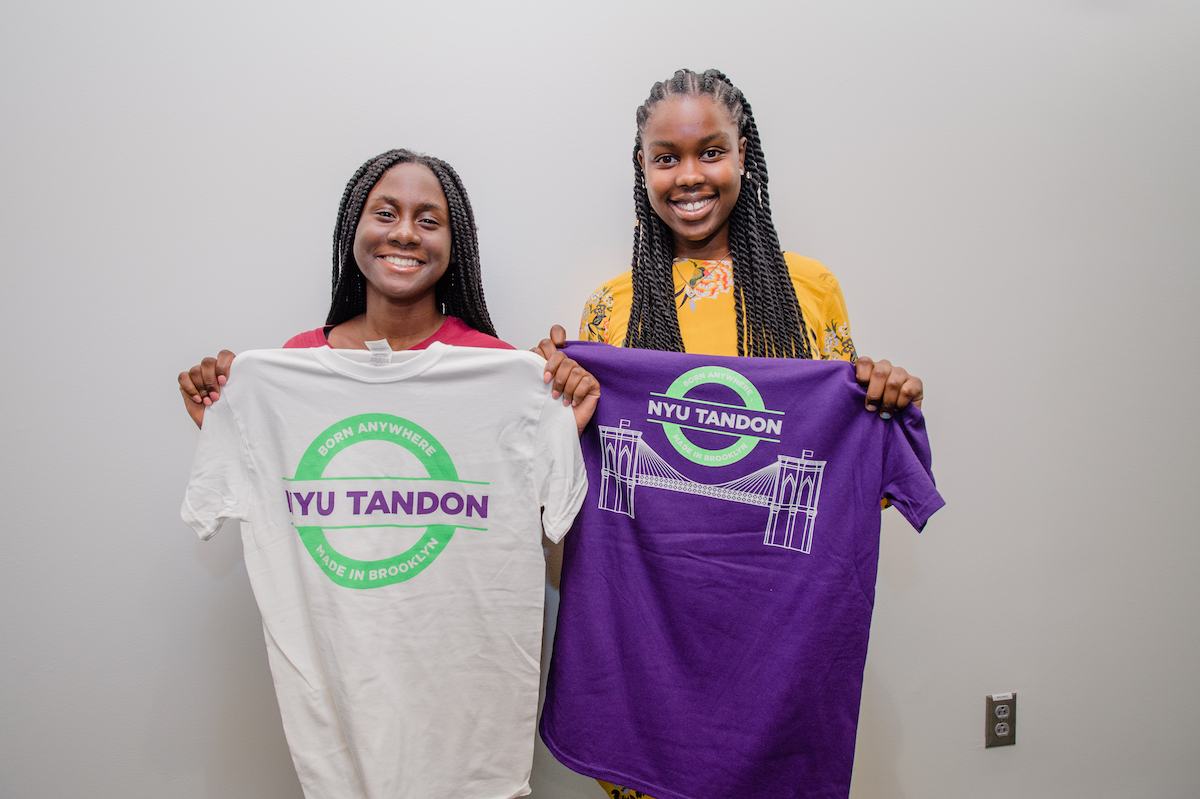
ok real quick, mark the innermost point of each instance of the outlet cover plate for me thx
(1000, 725)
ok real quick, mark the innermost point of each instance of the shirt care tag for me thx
(381, 352)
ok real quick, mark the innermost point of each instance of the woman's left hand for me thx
(889, 388)
(576, 385)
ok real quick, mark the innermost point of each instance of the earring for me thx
(741, 171)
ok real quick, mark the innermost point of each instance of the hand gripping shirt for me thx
(390, 518)
(718, 583)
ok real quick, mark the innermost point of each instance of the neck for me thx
(713, 248)
(403, 324)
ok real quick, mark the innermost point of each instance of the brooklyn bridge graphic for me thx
(790, 487)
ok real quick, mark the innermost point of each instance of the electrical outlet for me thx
(1000, 726)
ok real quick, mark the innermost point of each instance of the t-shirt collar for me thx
(405, 364)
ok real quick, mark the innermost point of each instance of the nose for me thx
(689, 173)
(404, 232)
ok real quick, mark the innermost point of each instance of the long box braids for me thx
(768, 317)
(458, 293)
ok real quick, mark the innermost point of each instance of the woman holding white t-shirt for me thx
(405, 269)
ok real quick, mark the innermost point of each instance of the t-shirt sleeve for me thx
(559, 475)
(597, 315)
(835, 340)
(219, 484)
(307, 340)
(824, 308)
(908, 469)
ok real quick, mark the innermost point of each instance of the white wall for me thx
(1007, 191)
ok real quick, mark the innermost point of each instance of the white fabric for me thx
(417, 678)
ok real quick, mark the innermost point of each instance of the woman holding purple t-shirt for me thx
(708, 275)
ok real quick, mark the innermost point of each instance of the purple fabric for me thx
(701, 651)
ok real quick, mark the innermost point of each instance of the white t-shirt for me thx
(390, 518)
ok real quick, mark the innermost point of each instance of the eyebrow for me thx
(670, 145)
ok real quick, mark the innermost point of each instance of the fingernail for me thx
(872, 408)
(196, 398)
(885, 415)
(545, 377)
(221, 379)
(207, 401)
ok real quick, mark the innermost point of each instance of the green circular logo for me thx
(351, 572)
(742, 444)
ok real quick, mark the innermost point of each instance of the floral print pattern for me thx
(707, 279)
(594, 324)
(837, 344)
(708, 326)
(617, 792)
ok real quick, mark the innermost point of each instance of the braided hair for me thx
(769, 320)
(459, 292)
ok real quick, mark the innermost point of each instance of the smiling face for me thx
(402, 243)
(692, 157)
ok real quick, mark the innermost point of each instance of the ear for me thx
(642, 159)
(742, 153)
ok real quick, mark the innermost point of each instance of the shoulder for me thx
(307, 339)
(811, 275)
(622, 282)
(458, 333)
(611, 291)
(823, 306)
(606, 310)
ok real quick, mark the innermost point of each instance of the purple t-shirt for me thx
(718, 584)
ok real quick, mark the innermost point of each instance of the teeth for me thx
(695, 206)
(395, 261)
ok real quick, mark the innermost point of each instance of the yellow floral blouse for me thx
(704, 303)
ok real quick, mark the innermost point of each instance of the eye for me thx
(712, 152)
(385, 214)
(665, 159)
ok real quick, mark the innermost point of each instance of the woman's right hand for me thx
(576, 385)
(201, 385)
